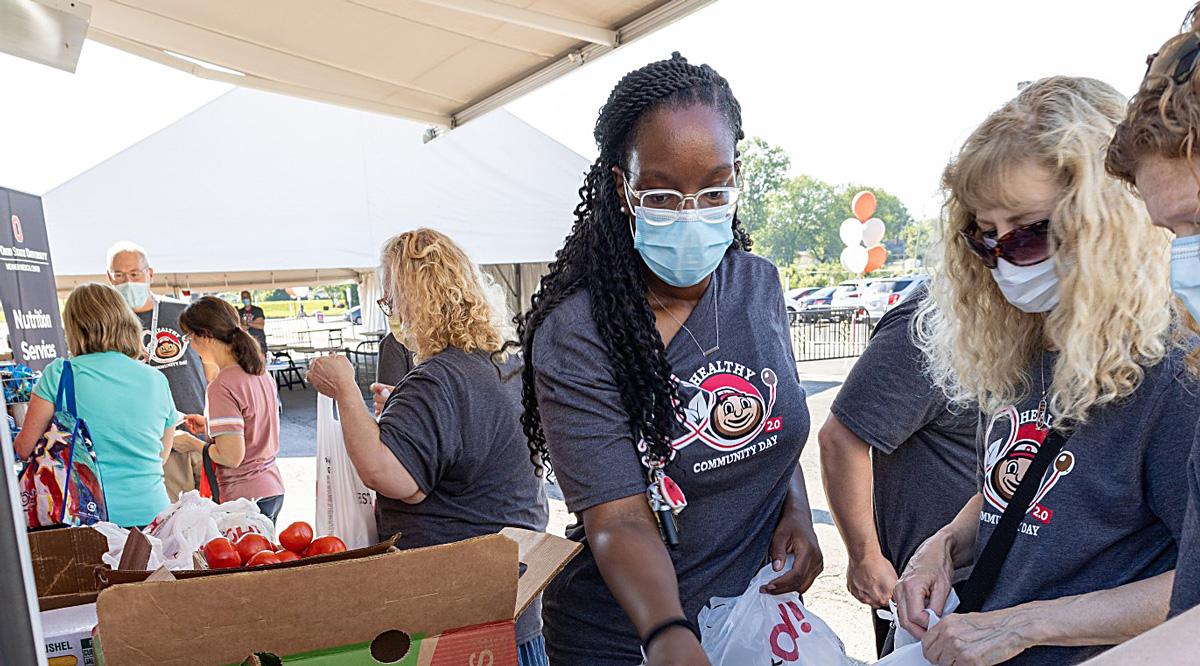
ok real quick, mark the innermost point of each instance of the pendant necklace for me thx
(716, 322)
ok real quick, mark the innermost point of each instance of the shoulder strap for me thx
(987, 567)
(64, 400)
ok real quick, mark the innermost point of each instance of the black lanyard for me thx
(987, 568)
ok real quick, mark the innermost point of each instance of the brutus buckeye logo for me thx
(167, 346)
(1009, 455)
(726, 411)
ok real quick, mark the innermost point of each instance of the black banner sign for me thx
(27, 288)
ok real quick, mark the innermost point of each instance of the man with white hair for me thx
(167, 349)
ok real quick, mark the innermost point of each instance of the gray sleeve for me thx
(887, 397)
(587, 429)
(1186, 591)
(395, 360)
(1167, 447)
(419, 425)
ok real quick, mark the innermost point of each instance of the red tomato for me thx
(286, 555)
(221, 554)
(262, 558)
(325, 545)
(296, 537)
(250, 544)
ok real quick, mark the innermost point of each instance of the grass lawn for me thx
(285, 309)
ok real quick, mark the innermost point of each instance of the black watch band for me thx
(669, 624)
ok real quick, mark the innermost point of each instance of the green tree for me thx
(803, 215)
(918, 239)
(764, 171)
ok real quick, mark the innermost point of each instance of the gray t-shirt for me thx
(923, 453)
(746, 422)
(395, 360)
(1186, 593)
(1110, 508)
(454, 423)
(170, 352)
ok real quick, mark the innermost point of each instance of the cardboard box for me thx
(65, 561)
(450, 604)
(68, 635)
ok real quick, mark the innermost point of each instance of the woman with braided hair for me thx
(661, 385)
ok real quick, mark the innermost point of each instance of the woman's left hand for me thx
(976, 639)
(331, 375)
(795, 535)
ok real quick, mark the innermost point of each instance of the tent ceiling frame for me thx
(635, 29)
(531, 19)
(596, 41)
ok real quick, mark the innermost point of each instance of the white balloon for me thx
(851, 231)
(854, 258)
(872, 232)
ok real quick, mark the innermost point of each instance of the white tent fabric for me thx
(370, 291)
(260, 190)
(436, 61)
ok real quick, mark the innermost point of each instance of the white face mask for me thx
(135, 293)
(1029, 288)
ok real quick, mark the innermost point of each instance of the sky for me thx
(867, 91)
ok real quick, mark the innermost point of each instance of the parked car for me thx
(849, 293)
(820, 298)
(354, 315)
(885, 294)
(794, 298)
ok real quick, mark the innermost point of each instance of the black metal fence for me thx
(827, 333)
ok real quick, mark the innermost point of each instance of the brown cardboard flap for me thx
(65, 560)
(222, 618)
(544, 556)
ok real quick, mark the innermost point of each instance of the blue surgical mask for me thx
(135, 293)
(688, 250)
(1185, 272)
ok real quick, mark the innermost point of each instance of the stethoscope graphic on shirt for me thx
(162, 347)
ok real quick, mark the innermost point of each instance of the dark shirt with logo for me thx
(746, 421)
(170, 352)
(1110, 507)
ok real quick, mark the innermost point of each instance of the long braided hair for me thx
(599, 256)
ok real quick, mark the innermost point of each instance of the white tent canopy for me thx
(260, 190)
(436, 61)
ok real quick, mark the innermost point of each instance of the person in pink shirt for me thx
(241, 415)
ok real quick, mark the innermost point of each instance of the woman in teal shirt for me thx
(126, 404)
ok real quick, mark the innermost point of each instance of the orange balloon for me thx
(863, 204)
(876, 258)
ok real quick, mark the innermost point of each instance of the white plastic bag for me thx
(185, 526)
(116, 536)
(345, 505)
(909, 651)
(758, 628)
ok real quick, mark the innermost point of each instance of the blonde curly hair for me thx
(1114, 317)
(441, 298)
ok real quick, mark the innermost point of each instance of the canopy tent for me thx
(436, 61)
(256, 190)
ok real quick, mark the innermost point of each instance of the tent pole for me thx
(20, 620)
